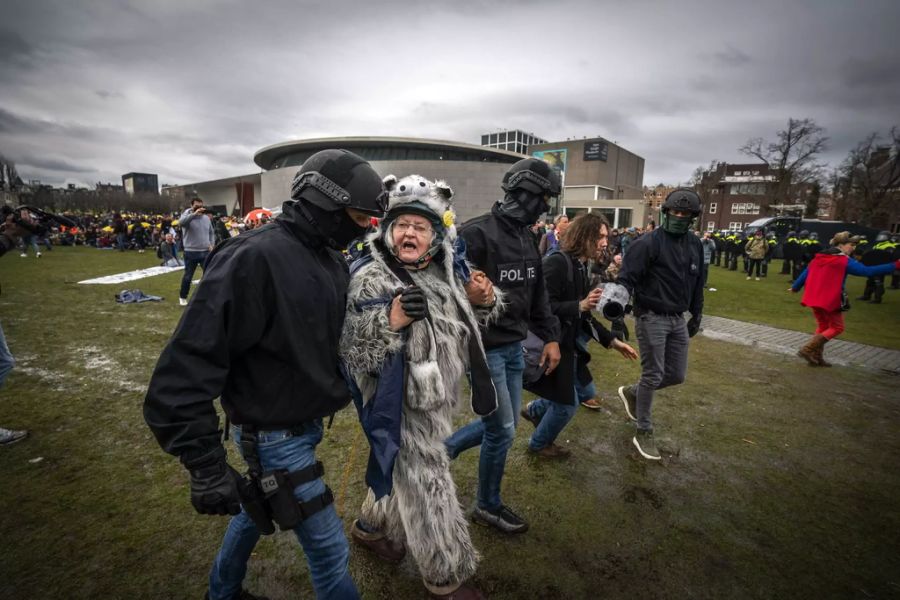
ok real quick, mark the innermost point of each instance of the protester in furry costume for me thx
(431, 323)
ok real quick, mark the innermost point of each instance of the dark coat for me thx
(507, 253)
(567, 284)
(262, 332)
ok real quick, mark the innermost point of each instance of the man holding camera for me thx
(197, 238)
(262, 333)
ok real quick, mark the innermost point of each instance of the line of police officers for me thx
(799, 249)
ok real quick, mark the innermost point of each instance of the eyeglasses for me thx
(417, 229)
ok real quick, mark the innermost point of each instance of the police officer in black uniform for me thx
(262, 334)
(501, 245)
(881, 252)
(789, 252)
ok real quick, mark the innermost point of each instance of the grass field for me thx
(778, 480)
(767, 302)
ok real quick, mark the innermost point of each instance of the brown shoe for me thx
(463, 592)
(551, 451)
(384, 548)
(809, 350)
(592, 403)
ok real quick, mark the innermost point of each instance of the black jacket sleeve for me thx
(556, 278)
(544, 323)
(225, 317)
(635, 263)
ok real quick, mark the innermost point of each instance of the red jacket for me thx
(825, 275)
(824, 281)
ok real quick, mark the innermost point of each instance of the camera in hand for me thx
(38, 221)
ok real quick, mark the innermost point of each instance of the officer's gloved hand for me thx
(693, 326)
(414, 304)
(214, 484)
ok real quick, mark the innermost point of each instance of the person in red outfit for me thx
(824, 279)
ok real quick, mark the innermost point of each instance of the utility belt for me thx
(268, 496)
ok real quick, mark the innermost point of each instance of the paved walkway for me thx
(788, 342)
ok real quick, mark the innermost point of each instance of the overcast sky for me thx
(191, 89)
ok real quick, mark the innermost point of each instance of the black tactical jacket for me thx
(262, 332)
(664, 272)
(506, 251)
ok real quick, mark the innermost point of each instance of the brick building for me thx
(732, 195)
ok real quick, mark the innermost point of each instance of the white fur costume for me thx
(422, 509)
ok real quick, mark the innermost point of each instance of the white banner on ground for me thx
(132, 275)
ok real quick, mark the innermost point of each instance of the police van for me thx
(781, 226)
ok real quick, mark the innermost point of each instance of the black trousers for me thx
(754, 262)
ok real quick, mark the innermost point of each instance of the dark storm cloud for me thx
(52, 164)
(192, 90)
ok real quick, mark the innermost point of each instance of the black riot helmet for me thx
(333, 180)
(532, 175)
(792, 234)
(682, 199)
(804, 234)
(883, 236)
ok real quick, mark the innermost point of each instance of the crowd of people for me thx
(287, 327)
(286, 334)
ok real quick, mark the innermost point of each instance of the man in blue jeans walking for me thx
(501, 245)
(197, 238)
(266, 342)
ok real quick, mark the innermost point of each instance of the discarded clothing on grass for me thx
(135, 296)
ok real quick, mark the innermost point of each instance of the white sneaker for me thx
(182, 301)
(757, 278)
(23, 255)
(748, 278)
(38, 255)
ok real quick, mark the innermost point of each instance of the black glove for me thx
(413, 302)
(693, 326)
(214, 484)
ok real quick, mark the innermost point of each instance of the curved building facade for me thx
(474, 172)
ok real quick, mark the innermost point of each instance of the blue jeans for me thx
(321, 535)
(191, 261)
(495, 432)
(7, 362)
(554, 416)
(121, 238)
(30, 241)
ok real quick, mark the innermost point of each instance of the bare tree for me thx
(871, 179)
(792, 158)
(811, 210)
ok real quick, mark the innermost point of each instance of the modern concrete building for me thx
(140, 183)
(514, 141)
(598, 175)
(474, 172)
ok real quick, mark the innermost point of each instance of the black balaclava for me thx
(523, 206)
(335, 226)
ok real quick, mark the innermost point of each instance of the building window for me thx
(715, 191)
(712, 207)
(735, 226)
(744, 208)
(710, 225)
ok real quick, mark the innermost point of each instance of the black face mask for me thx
(345, 230)
(336, 227)
(523, 206)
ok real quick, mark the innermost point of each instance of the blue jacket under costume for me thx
(407, 385)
